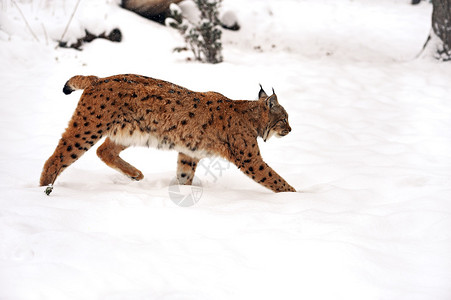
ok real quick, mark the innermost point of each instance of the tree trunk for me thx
(440, 37)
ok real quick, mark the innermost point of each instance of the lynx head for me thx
(278, 117)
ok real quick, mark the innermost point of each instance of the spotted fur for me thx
(133, 110)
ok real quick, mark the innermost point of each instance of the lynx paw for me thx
(138, 176)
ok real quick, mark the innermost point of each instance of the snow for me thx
(175, 8)
(369, 153)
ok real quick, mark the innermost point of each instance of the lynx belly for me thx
(144, 139)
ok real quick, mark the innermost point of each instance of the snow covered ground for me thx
(369, 153)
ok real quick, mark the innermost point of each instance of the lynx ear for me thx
(262, 95)
(272, 101)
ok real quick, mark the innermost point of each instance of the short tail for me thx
(79, 83)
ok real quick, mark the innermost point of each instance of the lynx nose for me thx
(287, 130)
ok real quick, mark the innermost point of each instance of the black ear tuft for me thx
(262, 95)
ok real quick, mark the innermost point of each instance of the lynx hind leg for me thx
(74, 142)
(109, 154)
(186, 167)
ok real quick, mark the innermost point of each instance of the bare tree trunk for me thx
(440, 38)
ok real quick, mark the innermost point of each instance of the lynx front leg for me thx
(109, 154)
(250, 162)
(263, 174)
(186, 166)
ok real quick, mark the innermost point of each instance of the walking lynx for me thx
(134, 110)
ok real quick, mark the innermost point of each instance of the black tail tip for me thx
(67, 89)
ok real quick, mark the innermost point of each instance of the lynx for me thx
(134, 110)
